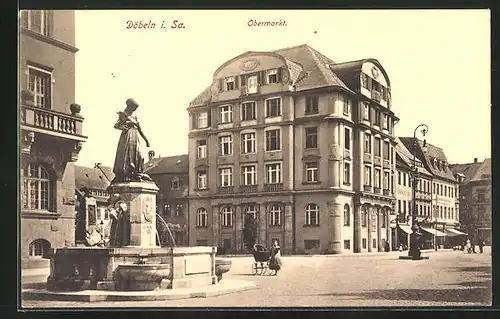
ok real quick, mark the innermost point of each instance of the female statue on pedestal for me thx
(129, 163)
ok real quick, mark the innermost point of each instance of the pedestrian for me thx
(481, 245)
(473, 245)
(387, 247)
(275, 259)
(400, 247)
(468, 247)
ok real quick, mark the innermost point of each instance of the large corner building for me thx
(304, 144)
(50, 132)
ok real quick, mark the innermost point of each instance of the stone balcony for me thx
(51, 122)
(248, 188)
(273, 187)
(225, 190)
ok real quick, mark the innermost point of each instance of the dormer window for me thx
(364, 80)
(230, 85)
(272, 76)
(386, 121)
(434, 162)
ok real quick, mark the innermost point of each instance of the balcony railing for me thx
(376, 95)
(51, 120)
(387, 192)
(225, 189)
(377, 161)
(273, 187)
(367, 188)
(248, 188)
(377, 190)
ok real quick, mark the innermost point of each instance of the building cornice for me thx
(49, 40)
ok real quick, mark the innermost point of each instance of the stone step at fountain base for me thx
(227, 286)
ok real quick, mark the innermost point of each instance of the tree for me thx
(250, 231)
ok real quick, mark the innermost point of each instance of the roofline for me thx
(250, 53)
(372, 60)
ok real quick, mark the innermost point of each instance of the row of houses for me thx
(304, 144)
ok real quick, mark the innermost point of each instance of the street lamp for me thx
(414, 251)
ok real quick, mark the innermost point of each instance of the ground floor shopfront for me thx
(303, 223)
(430, 235)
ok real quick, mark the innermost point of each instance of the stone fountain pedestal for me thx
(139, 266)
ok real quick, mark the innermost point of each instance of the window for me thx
(347, 244)
(252, 84)
(230, 83)
(202, 149)
(347, 173)
(311, 244)
(179, 210)
(347, 215)
(377, 178)
(364, 217)
(377, 146)
(166, 209)
(202, 120)
(249, 174)
(346, 104)
(248, 111)
(202, 179)
(312, 215)
(404, 207)
(39, 247)
(386, 150)
(226, 114)
(368, 175)
(176, 183)
(440, 189)
(38, 188)
(399, 178)
(273, 173)
(248, 143)
(226, 145)
(364, 80)
(386, 121)
(201, 218)
(445, 190)
(377, 117)
(368, 143)
(226, 176)
(364, 243)
(272, 76)
(273, 107)
(311, 137)
(434, 187)
(227, 216)
(399, 206)
(404, 179)
(311, 105)
(384, 219)
(275, 215)
(106, 214)
(366, 111)
(251, 210)
(36, 20)
(39, 82)
(347, 138)
(374, 243)
(273, 142)
(386, 180)
(312, 172)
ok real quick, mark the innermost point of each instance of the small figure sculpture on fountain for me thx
(129, 163)
(119, 235)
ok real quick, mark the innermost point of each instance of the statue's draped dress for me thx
(128, 159)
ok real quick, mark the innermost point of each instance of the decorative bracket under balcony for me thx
(27, 140)
(77, 147)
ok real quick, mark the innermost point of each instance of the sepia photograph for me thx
(176, 159)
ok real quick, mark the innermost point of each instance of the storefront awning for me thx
(453, 232)
(434, 232)
(406, 228)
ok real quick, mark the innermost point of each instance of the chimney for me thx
(151, 155)
(475, 160)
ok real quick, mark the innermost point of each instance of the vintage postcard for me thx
(287, 158)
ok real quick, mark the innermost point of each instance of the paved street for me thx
(448, 278)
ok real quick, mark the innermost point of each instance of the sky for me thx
(438, 62)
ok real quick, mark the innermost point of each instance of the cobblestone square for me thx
(448, 278)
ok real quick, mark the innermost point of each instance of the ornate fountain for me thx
(132, 260)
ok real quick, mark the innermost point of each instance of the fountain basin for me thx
(222, 266)
(140, 277)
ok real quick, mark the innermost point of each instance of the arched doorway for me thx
(38, 248)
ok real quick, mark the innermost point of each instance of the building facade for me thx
(50, 132)
(475, 198)
(404, 197)
(444, 218)
(171, 175)
(303, 144)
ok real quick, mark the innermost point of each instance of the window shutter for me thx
(369, 83)
(278, 74)
(243, 80)
(236, 80)
(221, 85)
(209, 117)
(259, 80)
